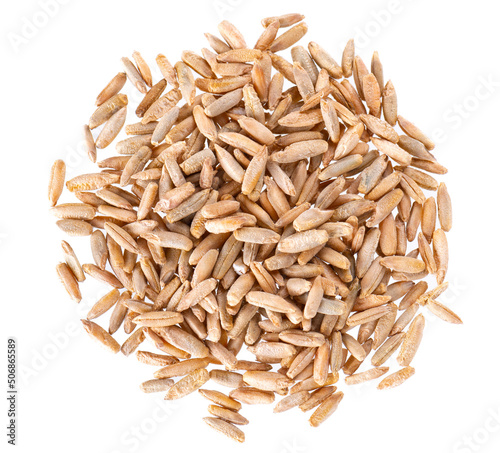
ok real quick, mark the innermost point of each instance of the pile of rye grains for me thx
(242, 213)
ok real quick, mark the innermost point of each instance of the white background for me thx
(76, 397)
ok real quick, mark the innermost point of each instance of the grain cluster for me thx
(264, 203)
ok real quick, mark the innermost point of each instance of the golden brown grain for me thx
(241, 214)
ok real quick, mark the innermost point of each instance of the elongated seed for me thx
(412, 341)
(100, 335)
(257, 215)
(56, 182)
(396, 378)
(325, 409)
(192, 382)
